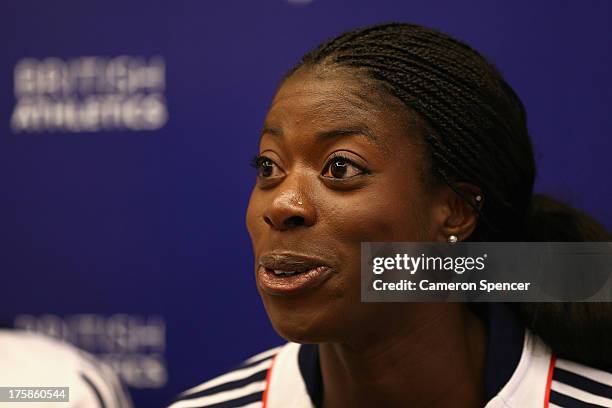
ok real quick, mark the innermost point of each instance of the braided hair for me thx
(475, 125)
(475, 131)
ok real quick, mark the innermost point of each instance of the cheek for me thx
(254, 218)
(387, 213)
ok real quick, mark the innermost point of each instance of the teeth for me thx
(277, 272)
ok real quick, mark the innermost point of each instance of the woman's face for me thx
(337, 168)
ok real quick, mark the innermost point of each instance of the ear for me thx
(453, 214)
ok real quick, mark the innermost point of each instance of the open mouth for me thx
(283, 274)
(283, 264)
(287, 273)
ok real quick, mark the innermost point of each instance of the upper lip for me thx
(286, 261)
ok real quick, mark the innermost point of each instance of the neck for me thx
(436, 360)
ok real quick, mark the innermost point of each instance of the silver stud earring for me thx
(452, 239)
(478, 198)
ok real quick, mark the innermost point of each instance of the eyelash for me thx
(362, 169)
(257, 161)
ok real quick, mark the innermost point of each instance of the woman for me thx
(394, 132)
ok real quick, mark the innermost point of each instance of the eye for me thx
(265, 166)
(340, 167)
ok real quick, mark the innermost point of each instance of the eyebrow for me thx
(359, 130)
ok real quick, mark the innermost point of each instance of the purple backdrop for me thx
(126, 129)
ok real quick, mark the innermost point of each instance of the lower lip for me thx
(281, 285)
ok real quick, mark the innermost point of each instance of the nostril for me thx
(286, 223)
(294, 221)
(268, 221)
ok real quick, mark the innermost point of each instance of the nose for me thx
(290, 208)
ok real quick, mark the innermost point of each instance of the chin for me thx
(299, 324)
(297, 334)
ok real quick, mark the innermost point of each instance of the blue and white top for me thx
(521, 372)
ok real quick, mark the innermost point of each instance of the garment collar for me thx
(505, 337)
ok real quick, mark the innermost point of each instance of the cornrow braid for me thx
(474, 124)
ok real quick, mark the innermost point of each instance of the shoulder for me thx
(540, 376)
(243, 386)
(577, 385)
(31, 360)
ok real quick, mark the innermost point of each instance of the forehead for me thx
(326, 90)
(318, 99)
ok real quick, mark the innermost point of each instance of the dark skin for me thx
(309, 201)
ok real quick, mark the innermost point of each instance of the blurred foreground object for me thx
(30, 360)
